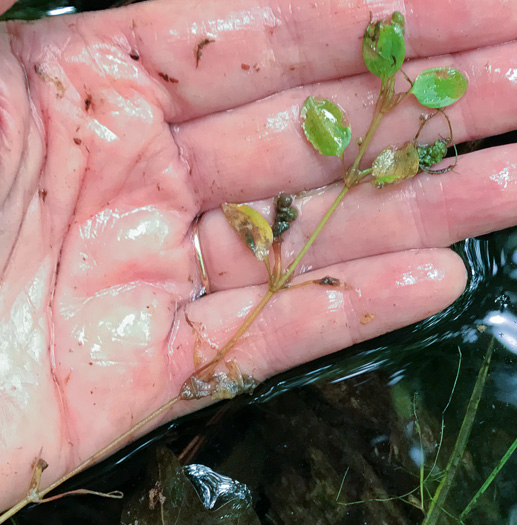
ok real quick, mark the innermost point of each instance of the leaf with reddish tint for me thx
(439, 87)
(252, 228)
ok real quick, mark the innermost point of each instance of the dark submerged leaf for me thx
(324, 127)
(439, 87)
(193, 495)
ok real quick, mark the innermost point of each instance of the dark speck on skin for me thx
(329, 281)
(134, 55)
(167, 78)
(87, 103)
(199, 49)
(78, 141)
(51, 78)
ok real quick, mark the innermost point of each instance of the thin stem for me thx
(379, 111)
(407, 78)
(277, 284)
(438, 500)
(268, 268)
(277, 270)
(309, 243)
(342, 483)
(14, 510)
(376, 120)
(110, 448)
(442, 426)
(236, 336)
(422, 466)
(489, 480)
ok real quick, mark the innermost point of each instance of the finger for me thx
(259, 150)
(376, 295)
(211, 55)
(5, 5)
(381, 294)
(428, 211)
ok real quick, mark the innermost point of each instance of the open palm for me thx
(119, 129)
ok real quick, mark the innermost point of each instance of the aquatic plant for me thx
(327, 129)
(437, 486)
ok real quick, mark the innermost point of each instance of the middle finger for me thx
(258, 150)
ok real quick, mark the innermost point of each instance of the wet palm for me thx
(116, 136)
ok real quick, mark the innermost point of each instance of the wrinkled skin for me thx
(112, 141)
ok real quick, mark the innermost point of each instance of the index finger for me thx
(210, 56)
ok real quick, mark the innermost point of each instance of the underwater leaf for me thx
(252, 228)
(192, 495)
(439, 87)
(325, 127)
(384, 49)
(394, 165)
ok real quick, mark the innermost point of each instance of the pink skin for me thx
(112, 141)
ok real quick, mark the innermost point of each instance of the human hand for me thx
(122, 139)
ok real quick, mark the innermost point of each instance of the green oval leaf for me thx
(439, 87)
(251, 226)
(384, 49)
(393, 165)
(325, 127)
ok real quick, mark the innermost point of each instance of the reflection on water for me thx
(345, 428)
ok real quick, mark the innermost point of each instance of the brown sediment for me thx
(47, 77)
(156, 496)
(199, 49)
(367, 318)
(167, 78)
(78, 141)
(219, 385)
(329, 281)
(199, 331)
(135, 55)
(245, 67)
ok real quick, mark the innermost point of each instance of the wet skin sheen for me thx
(115, 135)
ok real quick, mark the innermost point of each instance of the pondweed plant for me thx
(433, 504)
(328, 131)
